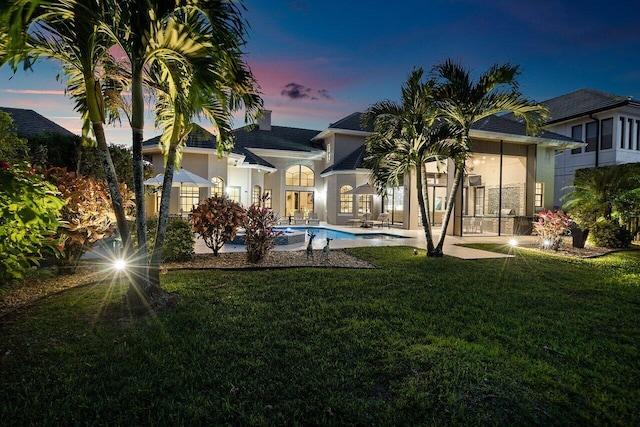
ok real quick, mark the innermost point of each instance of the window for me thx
(329, 153)
(346, 200)
(364, 203)
(592, 136)
(189, 197)
(630, 134)
(606, 134)
(267, 199)
(576, 133)
(638, 135)
(218, 186)
(233, 193)
(255, 195)
(539, 195)
(479, 200)
(623, 121)
(299, 176)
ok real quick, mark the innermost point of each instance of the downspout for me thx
(500, 191)
(597, 138)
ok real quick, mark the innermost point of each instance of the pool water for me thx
(325, 233)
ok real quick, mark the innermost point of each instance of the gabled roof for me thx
(350, 162)
(583, 102)
(28, 123)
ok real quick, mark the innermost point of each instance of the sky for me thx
(317, 61)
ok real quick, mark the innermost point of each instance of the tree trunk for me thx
(94, 100)
(459, 174)
(163, 216)
(423, 202)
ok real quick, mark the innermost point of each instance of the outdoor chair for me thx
(298, 219)
(313, 219)
(361, 220)
(382, 219)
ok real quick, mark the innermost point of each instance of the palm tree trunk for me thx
(457, 182)
(423, 202)
(94, 99)
(113, 184)
(140, 286)
(163, 215)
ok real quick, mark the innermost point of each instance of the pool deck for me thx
(413, 238)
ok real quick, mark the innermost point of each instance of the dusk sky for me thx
(318, 61)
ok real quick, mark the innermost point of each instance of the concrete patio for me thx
(412, 238)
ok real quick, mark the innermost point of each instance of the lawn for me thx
(535, 339)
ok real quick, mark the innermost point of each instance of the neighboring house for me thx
(609, 124)
(29, 123)
(510, 175)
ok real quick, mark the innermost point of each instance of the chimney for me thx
(264, 122)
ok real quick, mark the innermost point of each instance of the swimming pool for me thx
(326, 233)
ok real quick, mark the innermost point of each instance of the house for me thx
(608, 124)
(29, 123)
(509, 175)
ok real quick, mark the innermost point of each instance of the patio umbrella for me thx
(181, 178)
(363, 189)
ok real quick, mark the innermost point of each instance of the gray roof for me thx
(28, 123)
(350, 162)
(278, 138)
(502, 124)
(582, 103)
(351, 122)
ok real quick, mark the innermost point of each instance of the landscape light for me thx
(513, 242)
(546, 243)
(120, 264)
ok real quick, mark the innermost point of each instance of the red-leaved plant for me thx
(216, 221)
(259, 225)
(550, 226)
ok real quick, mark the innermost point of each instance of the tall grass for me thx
(534, 339)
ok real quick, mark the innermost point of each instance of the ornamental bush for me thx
(179, 241)
(87, 217)
(216, 221)
(609, 234)
(550, 226)
(259, 223)
(29, 209)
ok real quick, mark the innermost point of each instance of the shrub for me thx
(179, 241)
(609, 234)
(29, 209)
(259, 223)
(87, 217)
(550, 226)
(216, 221)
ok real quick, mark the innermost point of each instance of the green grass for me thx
(534, 339)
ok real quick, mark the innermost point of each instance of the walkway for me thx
(413, 238)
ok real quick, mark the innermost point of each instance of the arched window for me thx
(300, 176)
(218, 186)
(255, 195)
(346, 200)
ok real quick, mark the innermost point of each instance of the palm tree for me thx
(199, 91)
(68, 32)
(154, 34)
(461, 102)
(405, 136)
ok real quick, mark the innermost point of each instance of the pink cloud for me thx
(34, 92)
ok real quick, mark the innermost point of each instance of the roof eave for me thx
(290, 154)
(524, 139)
(357, 171)
(328, 132)
(590, 112)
